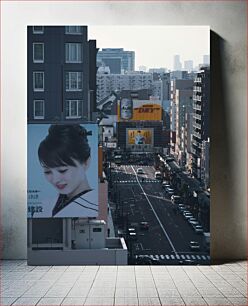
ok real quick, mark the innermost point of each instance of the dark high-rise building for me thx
(201, 97)
(117, 59)
(61, 74)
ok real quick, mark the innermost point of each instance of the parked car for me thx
(193, 222)
(187, 215)
(169, 190)
(175, 199)
(198, 229)
(194, 246)
(181, 207)
(144, 225)
(140, 171)
(165, 184)
(145, 260)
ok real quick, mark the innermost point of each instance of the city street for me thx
(143, 199)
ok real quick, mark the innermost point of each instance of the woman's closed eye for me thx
(62, 170)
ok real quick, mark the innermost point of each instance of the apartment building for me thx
(201, 98)
(61, 74)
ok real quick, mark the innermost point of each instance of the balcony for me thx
(197, 135)
(197, 117)
(196, 107)
(198, 80)
(197, 125)
(197, 89)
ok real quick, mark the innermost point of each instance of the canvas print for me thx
(118, 145)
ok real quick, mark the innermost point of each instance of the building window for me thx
(38, 81)
(73, 109)
(73, 30)
(73, 81)
(73, 53)
(39, 109)
(38, 30)
(38, 52)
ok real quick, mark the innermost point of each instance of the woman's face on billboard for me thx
(67, 180)
(126, 108)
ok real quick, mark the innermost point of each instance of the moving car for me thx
(194, 246)
(165, 184)
(144, 225)
(140, 171)
(132, 234)
(158, 175)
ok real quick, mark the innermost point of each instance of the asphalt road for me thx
(143, 199)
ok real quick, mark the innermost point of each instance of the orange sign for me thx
(139, 110)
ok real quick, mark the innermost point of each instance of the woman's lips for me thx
(61, 186)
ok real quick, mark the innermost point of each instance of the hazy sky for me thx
(155, 46)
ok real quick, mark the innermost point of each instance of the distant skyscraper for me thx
(117, 59)
(176, 63)
(206, 59)
(188, 65)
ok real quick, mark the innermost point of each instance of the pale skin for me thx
(68, 180)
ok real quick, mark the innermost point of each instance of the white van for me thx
(158, 175)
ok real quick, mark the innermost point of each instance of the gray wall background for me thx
(227, 20)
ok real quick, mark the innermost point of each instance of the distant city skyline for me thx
(155, 46)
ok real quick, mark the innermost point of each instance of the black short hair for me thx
(63, 145)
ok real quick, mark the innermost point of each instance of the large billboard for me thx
(139, 110)
(62, 171)
(139, 137)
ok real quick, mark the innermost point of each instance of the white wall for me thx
(228, 142)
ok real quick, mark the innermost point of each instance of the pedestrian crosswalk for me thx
(169, 257)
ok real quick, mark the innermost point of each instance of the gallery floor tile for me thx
(224, 284)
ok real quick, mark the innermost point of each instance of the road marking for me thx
(167, 236)
(169, 257)
(126, 169)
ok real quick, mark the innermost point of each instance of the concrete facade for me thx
(108, 83)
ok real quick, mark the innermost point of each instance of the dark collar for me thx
(63, 201)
